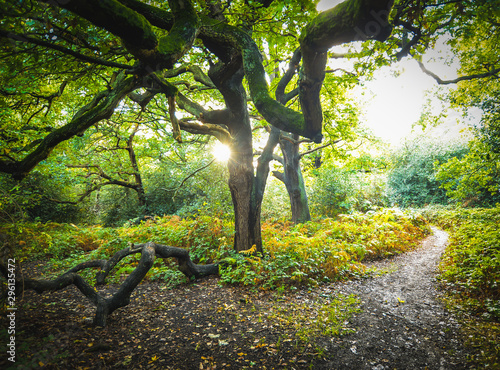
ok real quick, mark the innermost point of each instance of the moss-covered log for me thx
(106, 306)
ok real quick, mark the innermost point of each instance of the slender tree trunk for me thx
(261, 176)
(293, 179)
(139, 188)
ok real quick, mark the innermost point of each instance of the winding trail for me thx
(402, 325)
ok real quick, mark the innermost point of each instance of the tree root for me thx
(121, 298)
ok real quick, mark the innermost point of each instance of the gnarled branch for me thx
(121, 298)
(101, 107)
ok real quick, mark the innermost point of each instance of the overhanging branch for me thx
(101, 107)
(491, 73)
(80, 56)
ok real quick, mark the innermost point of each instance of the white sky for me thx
(394, 104)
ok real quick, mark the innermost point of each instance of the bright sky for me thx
(394, 104)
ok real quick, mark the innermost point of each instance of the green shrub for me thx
(470, 267)
(39, 197)
(333, 192)
(412, 180)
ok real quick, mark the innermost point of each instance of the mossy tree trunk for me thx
(293, 179)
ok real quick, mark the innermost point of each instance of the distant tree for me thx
(474, 179)
(110, 167)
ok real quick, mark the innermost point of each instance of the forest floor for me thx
(401, 324)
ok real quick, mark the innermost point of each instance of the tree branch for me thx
(319, 148)
(191, 175)
(491, 73)
(121, 298)
(85, 58)
(349, 21)
(293, 65)
(136, 31)
(101, 107)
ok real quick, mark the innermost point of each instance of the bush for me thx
(39, 197)
(333, 191)
(473, 180)
(470, 267)
(337, 190)
(412, 180)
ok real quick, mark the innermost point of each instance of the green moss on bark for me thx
(118, 19)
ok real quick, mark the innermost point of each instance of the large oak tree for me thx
(103, 52)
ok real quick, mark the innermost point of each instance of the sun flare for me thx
(221, 152)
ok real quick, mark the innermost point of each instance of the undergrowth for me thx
(305, 254)
(324, 250)
(470, 274)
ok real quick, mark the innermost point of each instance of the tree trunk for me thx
(141, 195)
(228, 79)
(241, 184)
(293, 179)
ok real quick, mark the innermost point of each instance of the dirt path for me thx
(402, 324)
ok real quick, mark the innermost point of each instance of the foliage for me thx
(324, 250)
(470, 273)
(470, 268)
(305, 254)
(412, 179)
(39, 198)
(473, 179)
(339, 190)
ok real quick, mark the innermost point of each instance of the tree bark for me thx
(246, 213)
(141, 195)
(228, 77)
(262, 172)
(293, 179)
(289, 145)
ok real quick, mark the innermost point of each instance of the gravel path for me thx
(403, 324)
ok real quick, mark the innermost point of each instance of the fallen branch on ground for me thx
(105, 306)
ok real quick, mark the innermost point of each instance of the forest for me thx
(196, 184)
